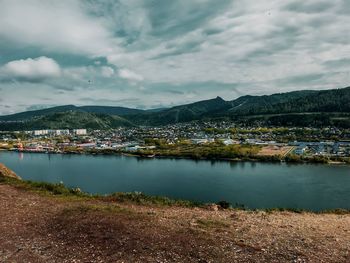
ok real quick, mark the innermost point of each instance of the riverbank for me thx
(251, 185)
(7, 173)
(52, 224)
(160, 155)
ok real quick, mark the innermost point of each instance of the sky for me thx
(160, 53)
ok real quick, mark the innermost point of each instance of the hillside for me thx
(67, 120)
(276, 109)
(337, 100)
(121, 111)
(328, 101)
(182, 113)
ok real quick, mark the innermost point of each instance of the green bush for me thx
(224, 204)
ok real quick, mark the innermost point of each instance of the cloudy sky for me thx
(159, 53)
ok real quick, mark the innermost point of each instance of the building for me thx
(300, 150)
(60, 132)
(41, 132)
(229, 142)
(80, 131)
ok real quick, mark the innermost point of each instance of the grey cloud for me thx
(305, 79)
(175, 92)
(344, 7)
(40, 106)
(171, 18)
(110, 101)
(180, 49)
(307, 7)
(337, 63)
(212, 31)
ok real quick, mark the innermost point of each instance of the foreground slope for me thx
(41, 227)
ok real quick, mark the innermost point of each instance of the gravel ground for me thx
(39, 228)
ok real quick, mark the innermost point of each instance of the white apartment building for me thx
(80, 131)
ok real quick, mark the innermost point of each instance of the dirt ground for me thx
(38, 228)
(272, 150)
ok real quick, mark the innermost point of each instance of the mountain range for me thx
(318, 108)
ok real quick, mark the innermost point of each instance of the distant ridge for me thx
(110, 110)
(335, 100)
(275, 109)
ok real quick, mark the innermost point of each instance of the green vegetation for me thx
(140, 198)
(280, 209)
(60, 190)
(215, 150)
(224, 204)
(318, 108)
(68, 120)
(277, 109)
(108, 110)
(57, 189)
(293, 158)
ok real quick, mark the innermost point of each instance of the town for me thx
(279, 142)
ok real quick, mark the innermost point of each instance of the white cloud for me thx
(129, 75)
(107, 71)
(254, 42)
(107, 48)
(31, 69)
(59, 26)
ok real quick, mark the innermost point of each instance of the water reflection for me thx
(254, 184)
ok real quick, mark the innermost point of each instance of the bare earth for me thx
(272, 150)
(37, 228)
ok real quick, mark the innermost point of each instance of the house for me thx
(300, 149)
(80, 131)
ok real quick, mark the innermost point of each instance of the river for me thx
(255, 185)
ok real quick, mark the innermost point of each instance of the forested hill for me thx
(183, 113)
(336, 100)
(286, 105)
(67, 120)
(109, 110)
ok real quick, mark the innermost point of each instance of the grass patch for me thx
(143, 199)
(281, 209)
(337, 211)
(57, 189)
(60, 190)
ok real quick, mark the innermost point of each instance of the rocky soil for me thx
(43, 228)
(6, 172)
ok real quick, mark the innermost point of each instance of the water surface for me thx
(256, 185)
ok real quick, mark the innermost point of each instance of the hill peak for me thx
(219, 98)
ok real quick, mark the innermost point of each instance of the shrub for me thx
(224, 204)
